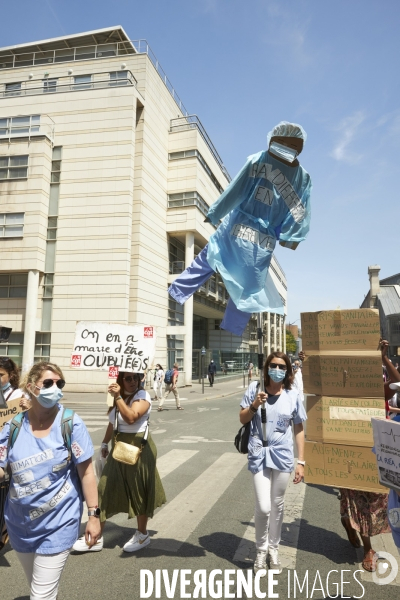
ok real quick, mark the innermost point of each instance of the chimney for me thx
(374, 287)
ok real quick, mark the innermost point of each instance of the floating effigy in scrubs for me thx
(268, 201)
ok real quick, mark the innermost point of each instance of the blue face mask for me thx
(288, 154)
(48, 397)
(277, 375)
(6, 386)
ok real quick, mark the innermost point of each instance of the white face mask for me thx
(288, 154)
(48, 397)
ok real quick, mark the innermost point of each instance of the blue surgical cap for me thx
(286, 129)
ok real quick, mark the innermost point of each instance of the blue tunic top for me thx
(44, 506)
(282, 411)
(267, 201)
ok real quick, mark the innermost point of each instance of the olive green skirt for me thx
(132, 489)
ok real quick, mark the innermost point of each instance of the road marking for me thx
(172, 460)
(93, 429)
(189, 439)
(294, 500)
(180, 517)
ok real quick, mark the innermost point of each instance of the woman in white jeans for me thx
(272, 465)
(51, 473)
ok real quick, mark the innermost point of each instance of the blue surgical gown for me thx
(266, 202)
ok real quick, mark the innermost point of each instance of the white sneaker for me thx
(274, 562)
(81, 545)
(137, 542)
(260, 562)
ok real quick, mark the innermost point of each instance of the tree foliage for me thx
(291, 345)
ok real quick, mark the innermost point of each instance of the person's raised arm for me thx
(393, 373)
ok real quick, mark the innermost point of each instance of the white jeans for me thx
(269, 488)
(158, 389)
(43, 572)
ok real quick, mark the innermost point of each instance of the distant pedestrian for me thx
(298, 379)
(225, 368)
(212, 370)
(171, 380)
(250, 368)
(158, 382)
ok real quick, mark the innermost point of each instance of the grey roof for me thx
(392, 280)
(389, 298)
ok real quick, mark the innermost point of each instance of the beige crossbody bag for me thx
(127, 453)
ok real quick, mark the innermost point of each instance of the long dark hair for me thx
(287, 382)
(13, 371)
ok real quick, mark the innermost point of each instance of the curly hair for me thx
(287, 382)
(12, 369)
(36, 372)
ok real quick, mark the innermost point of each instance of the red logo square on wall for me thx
(113, 372)
(76, 360)
(148, 332)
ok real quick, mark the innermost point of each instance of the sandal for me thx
(369, 561)
(351, 533)
(159, 409)
(179, 408)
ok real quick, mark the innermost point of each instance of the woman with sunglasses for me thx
(133, 489)
(272, 465)
(48, 483)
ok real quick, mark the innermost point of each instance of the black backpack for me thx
(243, 435)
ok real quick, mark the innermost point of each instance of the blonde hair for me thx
(36, 372)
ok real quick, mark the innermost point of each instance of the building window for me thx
(13, 285)
(11, 225)
(175, 350)
(49, 85)
(55, 171)
(48, 284)
(82, 82)
(14, 347)
(176, 256)
(118, 78)
(196, 153)
(13, 167)
(175, 312)
(52, 228)
(188, 199)
(13, 89)
(42, 347)
(16, 126)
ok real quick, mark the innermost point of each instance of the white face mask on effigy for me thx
(288, 154)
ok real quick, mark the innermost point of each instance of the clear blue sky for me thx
(244, 65)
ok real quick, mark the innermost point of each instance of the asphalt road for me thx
(206, 521)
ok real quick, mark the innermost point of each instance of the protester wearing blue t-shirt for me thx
(271, 465)
(48, 481)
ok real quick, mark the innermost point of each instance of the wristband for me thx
(301, 462)
(118, 398)
(253, 409)
(104, 445)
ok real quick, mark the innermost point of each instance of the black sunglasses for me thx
(47, 383)
(274, 366)
(130, 378)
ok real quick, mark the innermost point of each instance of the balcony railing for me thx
(176, 267)
(93, 52)
(52, 85)
(193, 122)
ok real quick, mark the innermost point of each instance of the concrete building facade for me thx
(384, 294)
(105, 181)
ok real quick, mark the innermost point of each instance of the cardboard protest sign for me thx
(343, 375)
(12, 410)
(342, 420)
(352, 467)
(113, 347)
(387, 448)
(340, 330)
